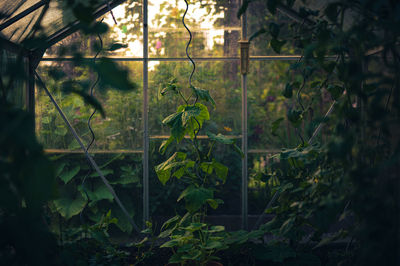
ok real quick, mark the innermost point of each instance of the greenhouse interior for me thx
(211, 132)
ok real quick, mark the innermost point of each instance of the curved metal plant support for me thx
(93, 136)
(188, 44)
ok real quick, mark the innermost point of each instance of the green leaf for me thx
(98, 192)
(221, 171)
(220, 138)
(170, 86)
(61, 130)
(90, 100)
(68, 207)
(203, 95)
(174, 121)
(111, 74)
(275, 125)
(46, 120)
(195, 198)
(295, 117)
(189, 112)
(274, 29)
(116, 46)
(213, 203)
(105, 172)
(59, 168)
(238, 150)
(257, 33)
(193, 117)
(68, 175)
(287, 226)
(207, 167)
(277, 45)
(216, 228)
(170, 244)
(164, 145)
(193, 227)
(163, 170)
(172, 221)
(125, 179)
(288, 92)
(214, 245)
(335, 91)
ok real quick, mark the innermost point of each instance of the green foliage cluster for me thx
(28, 177)
(350, 176)
(192, 240)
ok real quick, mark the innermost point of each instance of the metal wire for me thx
(188, 44)
(93, 136)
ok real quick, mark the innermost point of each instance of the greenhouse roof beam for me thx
(73, 27)
(23, 14)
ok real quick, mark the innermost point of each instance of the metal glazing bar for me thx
(30, 92)
(139, 59)
(22, 14)
(244, 198)
(161, 59)
(146, 212)
(90, 159)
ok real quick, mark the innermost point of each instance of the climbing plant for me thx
(348, 179)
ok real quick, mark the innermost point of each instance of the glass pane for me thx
(266, 104)
(20, 29)
(120, 130)
(16, 91)
(128, 31)
(220, 78)
(214, 26)
(259, 191)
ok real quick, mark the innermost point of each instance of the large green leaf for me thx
(69, 207)
(163, 170)
(98, 192)
(194, 117)
(203, 95)
(105, 172)
(174, 121)
(220, 138)
(220, 170)
(195, 197)
(111, 74)
(277, 45)
(66, 176)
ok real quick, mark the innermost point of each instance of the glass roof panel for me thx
(10, 8)
(57, 16)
